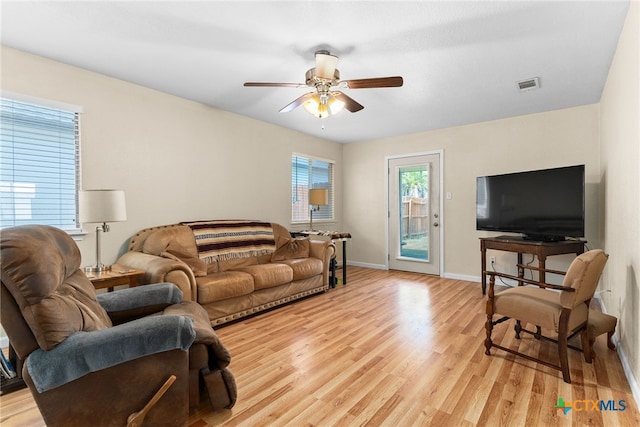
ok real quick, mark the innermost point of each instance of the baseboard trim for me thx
(367, 265)
(626, 366)
(461, 277)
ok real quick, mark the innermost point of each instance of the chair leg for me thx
(489, 328)
(563, 327)
(518, 329)
(538, 333)
(564, 359)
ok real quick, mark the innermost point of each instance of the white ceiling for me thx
(460, 60)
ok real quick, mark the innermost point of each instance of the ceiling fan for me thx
(325, 77)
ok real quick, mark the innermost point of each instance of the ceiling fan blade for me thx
(395, 81)
(297, 102)
(325, 64)
(349, 103)
(263, 84)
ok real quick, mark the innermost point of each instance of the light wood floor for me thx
(394, 349)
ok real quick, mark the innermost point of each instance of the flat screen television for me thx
(545, 204)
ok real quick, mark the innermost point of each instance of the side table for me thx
(334, 236)
(118, 275)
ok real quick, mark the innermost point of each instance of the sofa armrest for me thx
(158, 269)
(321, 249)
(324, 250)
(133, 303)
(85, 352)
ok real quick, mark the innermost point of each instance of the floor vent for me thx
(529, 84)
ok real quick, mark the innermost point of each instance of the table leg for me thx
(344, 262)
(483, 267)
(332, 272)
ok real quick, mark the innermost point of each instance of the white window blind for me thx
(39, 165)
(308, 173)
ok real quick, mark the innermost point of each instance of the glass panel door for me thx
(414, 213)
(414, 208)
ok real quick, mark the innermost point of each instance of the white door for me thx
(414, 213)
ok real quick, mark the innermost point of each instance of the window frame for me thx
(326, 213)
(75, 231)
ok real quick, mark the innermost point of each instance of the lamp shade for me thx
(318, 196)
(102, 206)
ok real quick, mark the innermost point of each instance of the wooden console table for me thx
(522, 246)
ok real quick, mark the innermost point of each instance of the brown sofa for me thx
(234, 280)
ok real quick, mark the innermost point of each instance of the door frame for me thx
(440, 152)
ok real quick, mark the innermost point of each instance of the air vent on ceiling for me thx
(529, 84)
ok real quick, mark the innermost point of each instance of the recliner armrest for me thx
(85, 352)
(134, 303)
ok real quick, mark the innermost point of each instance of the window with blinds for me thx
(39, 165)
(308, 173)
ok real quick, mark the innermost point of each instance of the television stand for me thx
(520, 245)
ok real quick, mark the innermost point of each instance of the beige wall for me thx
(620, 158)
(175, 159)
(551, 139)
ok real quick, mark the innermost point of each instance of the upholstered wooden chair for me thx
(563, 309)
(97, 359)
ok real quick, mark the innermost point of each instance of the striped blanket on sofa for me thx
(222, 240)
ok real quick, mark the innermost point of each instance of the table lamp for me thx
(318, 197)
(101, 206)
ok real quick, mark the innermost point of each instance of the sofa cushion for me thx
(269, 275)
(213, 268)
(280, 234)
(234, 264)
(176, 243)
(303, 268)
(227, 284)
(292, 249)
(178, 239)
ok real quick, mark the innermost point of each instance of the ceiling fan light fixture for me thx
(323, 106)
(312, 105)
(335, 105)
(323, 111)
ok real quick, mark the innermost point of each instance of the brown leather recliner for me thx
(96, 359)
